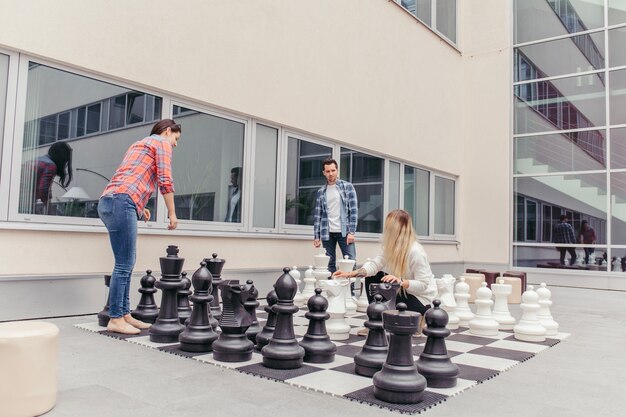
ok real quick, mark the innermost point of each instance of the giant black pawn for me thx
(184, 308)
(283, 350)
(434, 362)
(232, 344)
(374, 352)
(199, 335)
(399, 382)
(316, 343)
(263, 338)
(167, 326)
(104, 316)
(215, 265)
(147, 310)
(389, 292)
(251, 305)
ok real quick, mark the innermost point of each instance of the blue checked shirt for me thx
(349, 211)
(564, 233)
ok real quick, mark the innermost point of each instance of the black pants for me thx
(572, 254)
(412, 303)
(588, 252)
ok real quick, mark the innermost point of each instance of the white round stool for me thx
(29, 352)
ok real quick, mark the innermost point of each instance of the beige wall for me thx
(364, 73)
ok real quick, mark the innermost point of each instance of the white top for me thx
(333, 201)
(421, 280)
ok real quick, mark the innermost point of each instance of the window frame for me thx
(6, 140)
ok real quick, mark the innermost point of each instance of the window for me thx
(416, 197)
(4, 75)
(444, 206)
(265, 159)
(441, 12)
(208, 167)
(393, 189)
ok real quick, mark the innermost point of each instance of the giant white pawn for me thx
(501, 313)
(462, 296)
(483, 324)
(362, 303)
(545, 317)
(529, 328)
(445, 289)
(309, 284)
(336, 325)
(298, 299)
(347, 265)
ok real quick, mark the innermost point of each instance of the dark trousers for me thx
(330, 246)
(412, 303)
(589, 252)
(572, 254)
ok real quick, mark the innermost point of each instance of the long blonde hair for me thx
(398, 237)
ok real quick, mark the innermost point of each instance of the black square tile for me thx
(466, 338)
(514, 355)
(474, 373)
(277, 374)
(366, 395)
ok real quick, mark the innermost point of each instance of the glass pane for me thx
(580, 197)
(208, 168)
(617, 46)
(394, 185)
(444, 206)
(446, 18)
(560, 152)
(618, 148)
(4, 75)
(541, 19)
(617, 98)
(549, 257)
(618, 208)
(64, 171)
(567, 103)
(136, 103)
(265, 162)
(117, 112)
(304, 177)
(365, 172)
(617, 12)
(416, 195)
(409, 5)
(562, 56)
(424, 11)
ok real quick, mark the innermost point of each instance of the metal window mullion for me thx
(7, 144)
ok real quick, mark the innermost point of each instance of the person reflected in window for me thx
(43, 170)
(564, 233)
(233, 210)
(587, 236)
(147, 163)
(336, 215)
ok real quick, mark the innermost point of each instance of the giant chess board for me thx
(478, 358)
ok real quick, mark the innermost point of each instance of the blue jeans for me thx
(330, 246)
(119, 214)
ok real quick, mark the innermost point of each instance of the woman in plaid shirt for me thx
(147, 163)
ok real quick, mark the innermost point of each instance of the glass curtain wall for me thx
(569, 141)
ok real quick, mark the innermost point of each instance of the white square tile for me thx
(208, 358)
(92, 327)
(483, 361)
(302, 321)
(559, 336)
(331, 382)
(455, 346)
(519, 345)
(355, 322)
(145, 341)
(461, 385)
(300, 330)
(500, 335)
(358, 342)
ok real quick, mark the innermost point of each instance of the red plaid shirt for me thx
(147, 162)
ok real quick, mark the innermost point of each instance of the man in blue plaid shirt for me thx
(564, 233)
(336, 215)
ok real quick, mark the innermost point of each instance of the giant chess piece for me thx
(104, 316)
(316, 343)
(544, 315)
(199, 335)
(434, 362)
(263, 338)
(215, 265)
(321, 272)
(347, 265)
(283, 350)
(445, 289)
(184, 308)
(336, 326)
(232, 344)
(362, 303)
(167, 326)
(501, 314)
(483, 324)
(299, 299)
(399, 382)
(309, 284)
(462, 296)
(251, 305)
(147, 310)
(374, 352)
(388, 290)
(529, 328)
